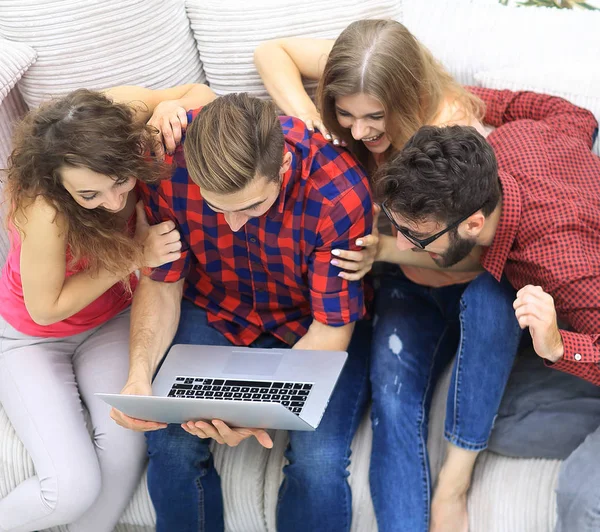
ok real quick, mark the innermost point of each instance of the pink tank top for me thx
(13, 310)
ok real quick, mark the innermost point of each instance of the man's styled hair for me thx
(232, 140)
(442, 174)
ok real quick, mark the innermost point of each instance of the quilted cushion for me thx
(86, 43)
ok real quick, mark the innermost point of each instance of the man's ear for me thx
(285, 165)
(472, 226)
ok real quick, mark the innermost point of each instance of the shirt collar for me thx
(288, 180)
(494, 258)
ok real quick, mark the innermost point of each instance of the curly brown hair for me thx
(82, 129)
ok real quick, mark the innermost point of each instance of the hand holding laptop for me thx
(218, 431)
(221, 433)
(140, 425)
(220, 391)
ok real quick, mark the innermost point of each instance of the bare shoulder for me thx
(40, 217)
(454, 112)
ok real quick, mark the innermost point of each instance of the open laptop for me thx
(242, 386)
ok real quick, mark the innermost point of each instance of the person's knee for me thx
(174, 449)
(485, 292)
(71, 491)
(317, 462)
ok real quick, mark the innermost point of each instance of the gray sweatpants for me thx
(549, 414)
(85, 482)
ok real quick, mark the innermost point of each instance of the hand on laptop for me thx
(221, 433)
(135, 388)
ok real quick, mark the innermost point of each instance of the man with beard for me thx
(528, 200)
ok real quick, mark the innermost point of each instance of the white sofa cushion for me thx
(15, 59)
(470, 36)
(573, 81)
(12, 109)
(227, 33)
(86, 43)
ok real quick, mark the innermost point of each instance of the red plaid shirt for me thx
(273, 275)
(549, 231)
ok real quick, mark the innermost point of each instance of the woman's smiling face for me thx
(364, 116)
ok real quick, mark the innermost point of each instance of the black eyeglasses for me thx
(422, 243)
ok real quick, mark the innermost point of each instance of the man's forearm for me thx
(326, 338)
(154, 320)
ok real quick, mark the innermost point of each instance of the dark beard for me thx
(459, 249)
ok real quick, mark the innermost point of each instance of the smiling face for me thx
(364, 116)
(92, 190)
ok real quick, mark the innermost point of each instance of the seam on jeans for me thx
(465, 444)
(423, 444)
(457, 366)
(201, 523)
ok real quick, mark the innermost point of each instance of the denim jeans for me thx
(185, 487)
(417, 332)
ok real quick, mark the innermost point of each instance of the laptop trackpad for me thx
(263, 363)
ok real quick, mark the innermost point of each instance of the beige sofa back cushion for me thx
(227, 33)
(98, 44)
(15, 59)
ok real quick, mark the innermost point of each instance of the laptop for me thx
(242, 386)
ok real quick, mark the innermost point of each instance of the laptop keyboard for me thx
(292, 395)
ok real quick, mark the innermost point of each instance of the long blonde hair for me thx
(383, 59)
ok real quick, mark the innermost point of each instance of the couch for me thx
(56, 46)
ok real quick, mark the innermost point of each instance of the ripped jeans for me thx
(417, 332)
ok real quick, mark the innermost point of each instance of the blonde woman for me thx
(377, 86)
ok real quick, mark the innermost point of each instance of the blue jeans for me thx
(417, 332)
(185, 487)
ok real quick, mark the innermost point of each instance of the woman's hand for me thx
(170, 119)
(161, 242)
(313, 121)
(358, 263)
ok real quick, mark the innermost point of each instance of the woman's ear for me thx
(285, 165)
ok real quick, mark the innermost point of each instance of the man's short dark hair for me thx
(442, 174)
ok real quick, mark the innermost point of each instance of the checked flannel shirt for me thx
(549, 231)
(274, 274)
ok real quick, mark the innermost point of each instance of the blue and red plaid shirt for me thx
(273, 275)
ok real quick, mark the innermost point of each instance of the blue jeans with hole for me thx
(185, 487)
(417, 332)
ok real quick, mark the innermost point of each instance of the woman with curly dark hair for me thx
(65, 292)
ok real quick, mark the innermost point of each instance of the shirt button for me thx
(253, 240)
(577, 357)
